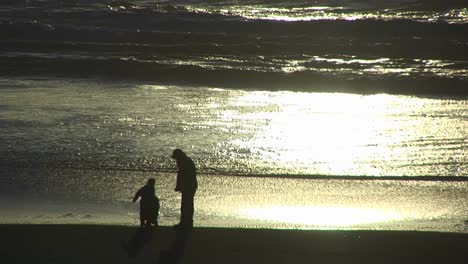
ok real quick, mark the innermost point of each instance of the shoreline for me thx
(66, 243)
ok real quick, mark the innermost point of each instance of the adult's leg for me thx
(142, 216)
(187, 209)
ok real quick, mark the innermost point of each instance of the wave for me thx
(207, 172)
(328, 80)
(202, 43)
(149, 13)
(112, 158)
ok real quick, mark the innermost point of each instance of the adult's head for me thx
(177, 154)
(151, 182)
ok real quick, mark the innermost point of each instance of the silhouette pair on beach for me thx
(187, 185)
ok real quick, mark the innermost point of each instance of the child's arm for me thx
(137, 195)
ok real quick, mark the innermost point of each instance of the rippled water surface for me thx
(81, 124)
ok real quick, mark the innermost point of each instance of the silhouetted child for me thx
(149, 204)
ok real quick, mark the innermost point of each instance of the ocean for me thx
(318, 114)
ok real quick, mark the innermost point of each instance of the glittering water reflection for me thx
(335, 12)
(320, 216)
(338, 133)
(237, 131)
(81, 140)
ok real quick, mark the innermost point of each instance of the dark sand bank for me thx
(103, 244)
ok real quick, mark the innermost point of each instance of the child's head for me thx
(151, 182)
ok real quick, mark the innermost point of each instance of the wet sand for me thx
(123, 244)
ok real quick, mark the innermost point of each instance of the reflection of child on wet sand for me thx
(149, 204)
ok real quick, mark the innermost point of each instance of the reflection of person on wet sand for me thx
(149, 210)
(174, 254)
(140, 238)
(149, 204)
(187, 184)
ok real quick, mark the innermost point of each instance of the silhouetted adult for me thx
(186, 184)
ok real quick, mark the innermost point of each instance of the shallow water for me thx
(77, 150)
(134, 126)
(250, 202)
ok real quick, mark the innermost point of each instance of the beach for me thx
(103, 244)
(321, 131)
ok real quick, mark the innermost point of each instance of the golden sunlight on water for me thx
(320, 216)
(339, 131)
(276, 202)
(322, 12)
(285, 132)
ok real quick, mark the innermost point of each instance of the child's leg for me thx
(146, 218)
